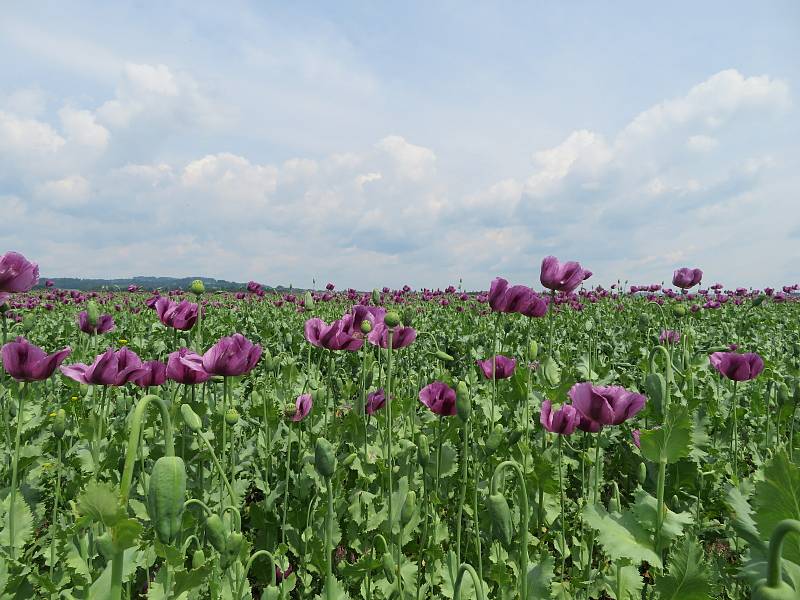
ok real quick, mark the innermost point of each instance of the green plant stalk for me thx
(476, 582)
(389, 435)
(53, 523)
(776, 548)
(540, 506)
(328, 541)
(463, 496)
(219, 469)
(522, 494)
(286, 483)
(563, 515)
(735, 435)
(662, 476)
(14, 470)
(224, 429)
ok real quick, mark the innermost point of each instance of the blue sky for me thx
(387, 143)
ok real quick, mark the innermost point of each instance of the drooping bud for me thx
(28, 322)
(495, 438)
(324, 458)
(443, 356)
(423, 450)
(500, 514)
(641, 476)
(679, 310)
(409, 506)
(191, 419)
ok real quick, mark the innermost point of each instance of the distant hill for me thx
(146, 283)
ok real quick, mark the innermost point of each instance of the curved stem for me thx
(249, 564)
(776, 547)
(476, 582)
(200, 503)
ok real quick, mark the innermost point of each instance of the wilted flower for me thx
(26, 362)
(155, 374)
(303, 406)
(563, 421)
(105, 323)
(503, 367)
(109, 368)
(231, 356)
(186, 367)
(669, 336)
(737, 367)
(562, 277)
(281, 575)
(179, 315)
(604, 405)
(440, 398)
(685, 277)
(375, 401)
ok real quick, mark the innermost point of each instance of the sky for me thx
(421, 143)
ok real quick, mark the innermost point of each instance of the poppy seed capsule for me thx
(324, 458)
(191, 419)
(642, 474)
(463, 404)
(60, 423)
(423, 450)
(366, 326)
(92, 313)
(232, 416)
(392, 319)
(197, 287)
(679, 310)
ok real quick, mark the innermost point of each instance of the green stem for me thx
(735, 435)
(14, 472)
(662, 475)
(563, 515)
(286, 483)
(776, 547)
(476, 582)
(522, 494)
(253, 557)
(329, 541)
(54, 524)
(463, 497)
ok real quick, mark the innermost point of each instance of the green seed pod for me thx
(409, 506)
(215, 533)
(324, 458)
(443, 356)
(28, 323)
(233, 545)
(366, 326)
(783, 591)
(191, 419)
(463, 403)
(679, 310)
(641, 476)
(500, 514)
(349, 459)
(407, 316)
(198, 559)
(92, 313)
(423, 450)
(105, 544)
(533, 350)
(60, 423)
(391, 319)
(232, 417)
(376, 297)
(495, 438)
(197, 287)
(166, 496)
(655, 387)
(388, 566)
(308, 301)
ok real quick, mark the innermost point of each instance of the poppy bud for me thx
(392, 319)
(366, 326)
(318, 395)
(28, 322)
(407, 317)
(308, 301)
(232, 417)
(495, 438)
(197, 287)
(515, 435)
(388, 566)
(324, 458)
(376, 297)
(105, 544)
(191, 419)
(642, 474)
(60, 423)
(783, 394)
(500, 514)
(655, 387)
(406, 446)
(198, 558)
(423, 450)
(463, 404)
(215, 532)
(588, 324)
(92, 313)
(349, 459)
(409, 506)
(533, 350)
(679, 310)
(615, 503)
(675, 501)
(443, 356)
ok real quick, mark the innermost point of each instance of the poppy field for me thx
(535, 440)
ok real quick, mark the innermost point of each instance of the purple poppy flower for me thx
(303, 406)
(440, 398)
(336, 336)
(515, 299)
(604, 405)
(253, 287)
(669, 336)
(179, 315)
(231, 356)
(26, 362)
(562, 277)
(281, 575)
(401, 336)
(155, 374)
(685, 277)
(105, 323)
(361, 313)
(503, 367)
(109, 368)
(563, 421)
(375, 401)
(737, 367)
(17, 274)
(186, 367)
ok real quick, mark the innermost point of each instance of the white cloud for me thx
(412, 161)
(701, 143)
(81, 127)
(64, 193)
(26, 137)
